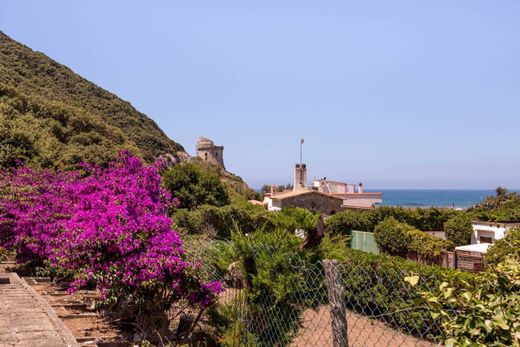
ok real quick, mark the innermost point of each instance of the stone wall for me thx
(314, 202)
(210, 153)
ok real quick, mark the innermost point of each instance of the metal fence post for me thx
(338, 309)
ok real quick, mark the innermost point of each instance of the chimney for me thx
(300, 177)
(360, 188)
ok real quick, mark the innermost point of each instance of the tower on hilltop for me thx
(209, 152)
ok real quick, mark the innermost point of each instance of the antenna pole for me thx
(301, 151)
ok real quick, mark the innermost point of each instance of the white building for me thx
(353, 195)
(489, 232)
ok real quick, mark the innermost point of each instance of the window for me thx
(485, 239)
(206, 156)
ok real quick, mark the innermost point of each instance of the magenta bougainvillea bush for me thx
(107, 226)
(33, 205)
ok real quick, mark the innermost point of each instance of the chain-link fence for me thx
(323, 303)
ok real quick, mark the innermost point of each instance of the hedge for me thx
(376, 286)
(393, 237)
(397, 238)
(425, 219)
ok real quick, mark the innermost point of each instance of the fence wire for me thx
(380, 307)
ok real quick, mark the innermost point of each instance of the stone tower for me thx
(207, 151)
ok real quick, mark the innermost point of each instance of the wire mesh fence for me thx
(360, 307)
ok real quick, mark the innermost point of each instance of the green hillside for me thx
(50, 116)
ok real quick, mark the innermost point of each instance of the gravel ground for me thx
(362, 331)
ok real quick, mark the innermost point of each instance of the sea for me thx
(460, 199)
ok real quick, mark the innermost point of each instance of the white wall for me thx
(273, 205)
(494, 231)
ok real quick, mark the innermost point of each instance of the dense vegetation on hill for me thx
(50, 116)
(195, 187)
(237, 189)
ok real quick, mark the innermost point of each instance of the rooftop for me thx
(291, 194)
(364, 194)
(499, 224)
(478, 248)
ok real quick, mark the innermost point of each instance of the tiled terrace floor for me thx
(26, 319)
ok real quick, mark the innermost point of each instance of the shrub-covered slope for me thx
(50, 116)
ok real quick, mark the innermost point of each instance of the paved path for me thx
(26, 319)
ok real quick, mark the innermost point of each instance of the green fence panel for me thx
(364, 241)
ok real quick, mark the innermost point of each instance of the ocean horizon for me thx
(455, 198)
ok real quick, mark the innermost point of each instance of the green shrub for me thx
(401, 239)
(294, 218)
(344, 222)
(237, 189)
(433, 219)
(219, 222)
(227, 319)
(393, 237)
(195, 187)
(426, 245)
(508, 246)
(404, 215)
(281, 277)
(333, 247)
(459, 229)
(425, 219)
(484, 312)
(189, 222)
(269, 259)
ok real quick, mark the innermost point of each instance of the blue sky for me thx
(396, 94)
